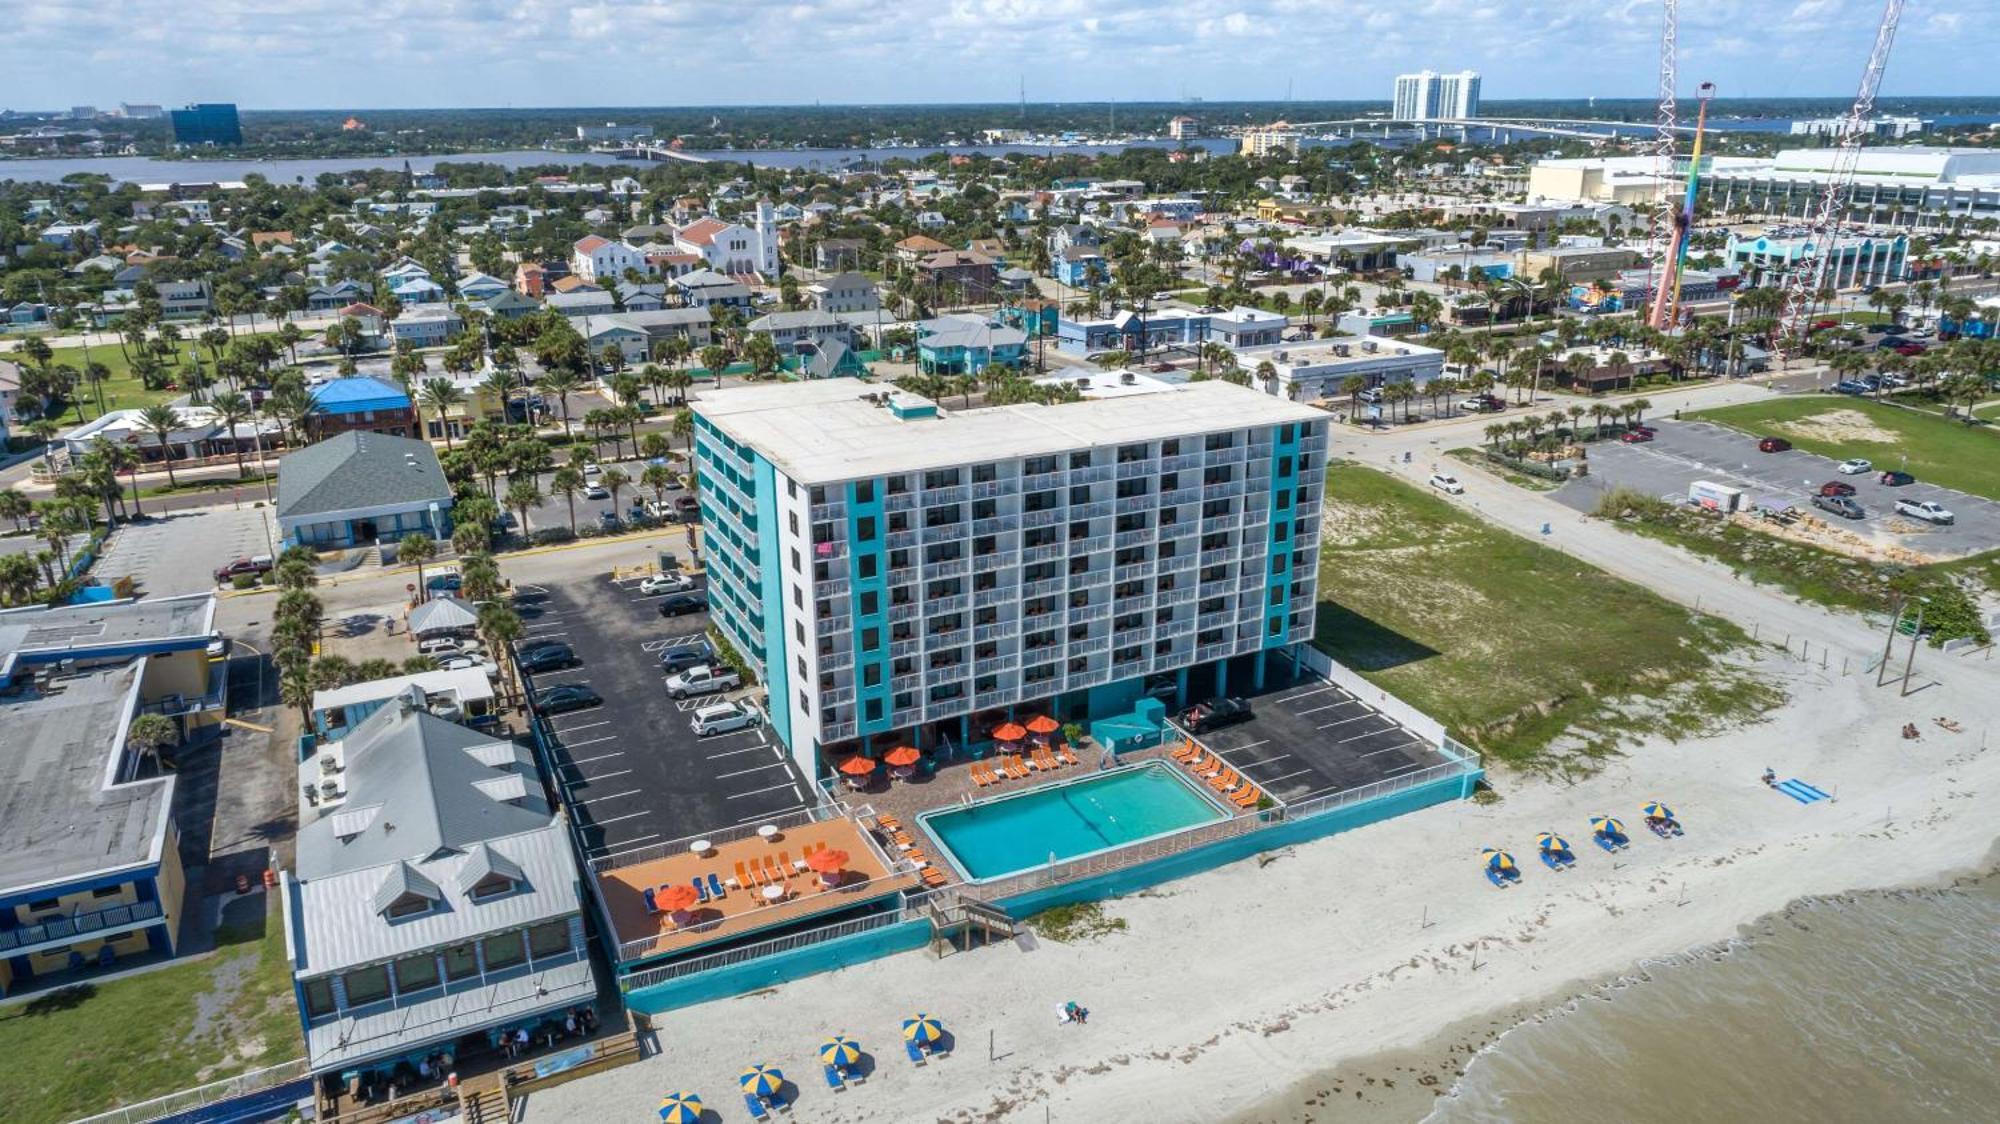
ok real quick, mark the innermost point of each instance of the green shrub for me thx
(243, 581)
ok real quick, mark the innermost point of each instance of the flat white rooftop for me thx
(827, 431)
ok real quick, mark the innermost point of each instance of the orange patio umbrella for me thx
(903, 755)
(1011, 732)
(858, 766)
(827, 861)
(1043, 724)
(676, 897)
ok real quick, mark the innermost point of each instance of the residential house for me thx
(426, 325)
(705, 288)
(572, 283)
(670, 264)
(336, 710)
(531, 279)
(372, 320)
(360, 402)
(71, 235)
(640, 297)
(845, 292)
(264, 239)
(90, 868)
(595, 257)
(183, 299)
(1074, 257)
(582, 302)
(416, 290)
(10, 396)
(917, 247)
(965, 344)
(788, 329)
(660, 325)
(508, 305)
(476, 402)
(356, 488)
(434, 899)
(959, 277)
(339, 294)
(832, 255)
(829, 359)
(931, 220)
(480, 286)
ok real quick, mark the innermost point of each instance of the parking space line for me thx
(599, 757)
(540, 675)
(1308, 691)
(1402, 769)
(1345, 721)
(734, 752)
(1394, 748)
(778, 764)
(590, 741)
(581, 726)
(1317, 709)
(593, 779)
(619, 819)
(1246, 746)
(1265, 761)
(613, 796)
(1267, 782)
(756, 792)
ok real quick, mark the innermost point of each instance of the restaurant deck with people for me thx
(674, 897)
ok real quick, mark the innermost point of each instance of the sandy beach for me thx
(1230, 994)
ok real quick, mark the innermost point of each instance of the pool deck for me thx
(640, 934)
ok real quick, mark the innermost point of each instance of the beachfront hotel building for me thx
(896, 571)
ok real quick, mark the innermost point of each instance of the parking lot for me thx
(632, 769)
(1313, 739)
(1685, 452)
(179, 553)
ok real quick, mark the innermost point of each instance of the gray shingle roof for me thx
(358, 471)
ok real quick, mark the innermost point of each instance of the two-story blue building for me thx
(964, 344)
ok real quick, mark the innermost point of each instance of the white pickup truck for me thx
(702, 681)
(1925, 510)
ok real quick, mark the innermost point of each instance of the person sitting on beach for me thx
(1770, 778)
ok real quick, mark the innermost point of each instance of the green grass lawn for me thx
(83, 1052)
(1948, 453)
(1508, 642)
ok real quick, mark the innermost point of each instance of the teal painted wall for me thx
(771, 574)
(1285, 478)
(878, 620)
(769, 971)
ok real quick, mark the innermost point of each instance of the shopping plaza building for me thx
(893, 568)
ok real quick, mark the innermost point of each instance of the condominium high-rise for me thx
(207, 123)
(891, 567)
(1430, 96)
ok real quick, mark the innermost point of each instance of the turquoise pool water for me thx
(998, 837)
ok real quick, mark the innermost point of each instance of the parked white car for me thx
(724, 718)
(1855, 466)
(1446, 482)
(666, 583)
(1929, 511)
(702, 681)
(487, 667)
(445, 647)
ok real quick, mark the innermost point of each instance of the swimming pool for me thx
(998, 837)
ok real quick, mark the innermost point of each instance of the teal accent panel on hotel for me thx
(1114, 698)
(1285, 457)
(771, 572)
(879, 619)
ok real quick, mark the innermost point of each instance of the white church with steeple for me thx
(733, 248)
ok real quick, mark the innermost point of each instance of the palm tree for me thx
(714, 359)
(560, 385)
(15, 506)
(232, 409)
(418, 548)
(161, 420)
(522, 497)
(566, 482)
(1494, 432)
(684, 427)
(658, 477)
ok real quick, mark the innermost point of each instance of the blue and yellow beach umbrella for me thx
(1606, 826)
(840, 1050)
(761, 1081)
(1551, 843)
(1657, 811)
(922, 1029)
(1497, 859)
(680, 1108)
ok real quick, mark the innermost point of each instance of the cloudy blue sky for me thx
(269, 54)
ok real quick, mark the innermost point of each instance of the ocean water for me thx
(1872, 1007)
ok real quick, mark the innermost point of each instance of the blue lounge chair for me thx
(834, 1080)
(756, 1107)
(700, 892)
(715, 892)
(651, 905)
(916, 1055)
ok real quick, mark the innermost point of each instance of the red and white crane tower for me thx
(1809, 273)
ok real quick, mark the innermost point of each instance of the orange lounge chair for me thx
(1045, 761)
(889, 823)
(1187, 752)
(932, 876)
(785, 867)
(1212, 769)
(1247, 796)
(1065, 754)
(742, 877)
(1012, 763)
(1225, 782)
(771, 872)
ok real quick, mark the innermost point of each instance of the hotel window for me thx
(793, 516)
(319, 997)
(797, 566)
(504, 951)
(367, 985)
(416, 973)
(867, 566)
(550, 938)
(805, 702)
(870, 603)
(864, 528)
(461, 963)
